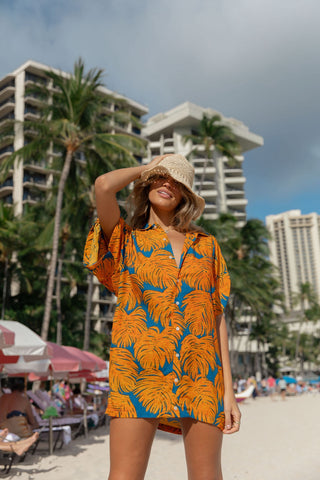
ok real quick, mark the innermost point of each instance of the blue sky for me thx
(255, 60)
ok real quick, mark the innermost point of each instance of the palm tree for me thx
(217, 140)
(309, 310)
(73, 118)
(254, 288)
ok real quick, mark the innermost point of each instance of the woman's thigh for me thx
(130, 446)
(202, 444)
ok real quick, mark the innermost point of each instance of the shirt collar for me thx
(149, 226)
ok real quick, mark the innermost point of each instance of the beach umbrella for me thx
(60, 364)
(87, 360)
(101, 364)
(6, 337)
(26, 342)
(63, 360)
(289, 379)
(23, 367)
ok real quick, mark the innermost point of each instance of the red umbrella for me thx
(5, 359)
(101, 364)
(61, 359)
(6, 337)
(87, 362)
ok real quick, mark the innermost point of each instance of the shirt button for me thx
(177, 328)
(177, 303)
(170, 256)
(176, 380)
(175, 407)
(177, 355)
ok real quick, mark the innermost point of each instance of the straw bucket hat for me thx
(177, 167)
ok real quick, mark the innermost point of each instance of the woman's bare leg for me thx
(130, 446)
(202, 443)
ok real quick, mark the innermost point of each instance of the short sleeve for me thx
(104, 259)
(221, 280)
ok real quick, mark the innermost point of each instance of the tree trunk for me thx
(58, 303)
(87, 322)
(55, 246)
(5, 286)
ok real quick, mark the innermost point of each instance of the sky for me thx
(254, 60)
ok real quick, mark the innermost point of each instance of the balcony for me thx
(32, 195)
(209, 171)
(7, 106)
(6, 151)
(6, 119)
(6, 187)
(237, 202)
(5, 93)
(30, 112)
(32, 78)
(234, 179)
(33, 99)
(240, 214)
(235, 193)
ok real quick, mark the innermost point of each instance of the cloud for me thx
(255, 60)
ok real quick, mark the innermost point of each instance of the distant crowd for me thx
(271, 386)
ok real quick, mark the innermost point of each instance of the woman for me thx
(169, 359)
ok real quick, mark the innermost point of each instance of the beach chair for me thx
(7, 460)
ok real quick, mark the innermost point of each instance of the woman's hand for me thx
(232, 414)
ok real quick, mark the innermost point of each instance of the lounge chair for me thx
(7, 460)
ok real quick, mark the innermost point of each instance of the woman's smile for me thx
(164, 193)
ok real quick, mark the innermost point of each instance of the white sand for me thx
(279, 440)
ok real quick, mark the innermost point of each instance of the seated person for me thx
(78, 402)
(19, 447)
(15, 410)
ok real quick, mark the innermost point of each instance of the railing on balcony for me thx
(7, 149)
(7, 101)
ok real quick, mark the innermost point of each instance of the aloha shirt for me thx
(164, 356)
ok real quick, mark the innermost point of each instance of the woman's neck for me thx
(164, 219)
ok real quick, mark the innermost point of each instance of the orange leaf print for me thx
(203, 246)
(158, 269)
(198, 313)
(158, 304)
(198, 272)
(197, 355)
(129, 291)
(120, 404)
(151, 240)
(123, 370)
(127, 327)
(154, 391)
(131, 256)
(153, 348)
(218, 382)
(199, 396)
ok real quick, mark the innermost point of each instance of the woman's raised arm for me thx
(106, 187)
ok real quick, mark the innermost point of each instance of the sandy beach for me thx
(279, 440)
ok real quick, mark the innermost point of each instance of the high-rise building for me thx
(295, 250)
(220, 183)
(28, 181)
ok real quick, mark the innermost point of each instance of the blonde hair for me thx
(138, 207)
